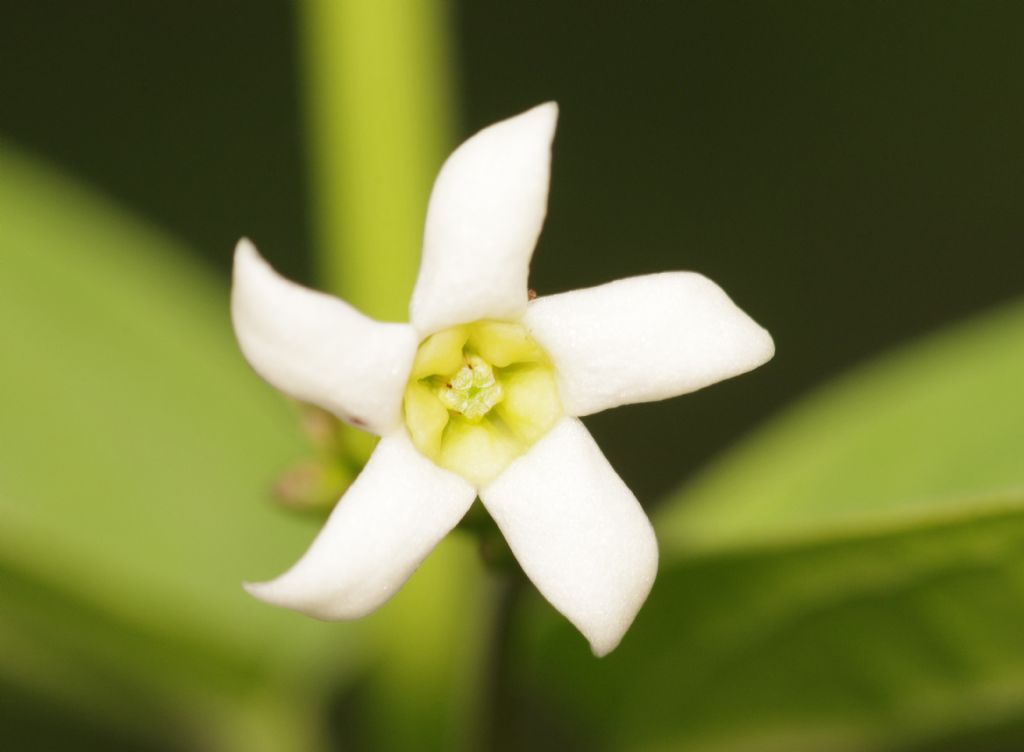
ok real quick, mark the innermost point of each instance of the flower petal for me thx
(578, 532)
(319, 349)
(484, 217)
(644, 338)
(398, 509)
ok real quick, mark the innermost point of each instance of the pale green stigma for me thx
(480, 394)
(473, 391)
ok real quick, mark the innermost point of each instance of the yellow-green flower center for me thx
(479, 395)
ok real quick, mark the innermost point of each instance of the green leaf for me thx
(137, 454)
(866, 641)
(852, 578)
(932, 427)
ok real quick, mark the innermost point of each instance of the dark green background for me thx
(851, 173)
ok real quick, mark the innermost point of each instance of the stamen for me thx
(463, 380)
(473, 390)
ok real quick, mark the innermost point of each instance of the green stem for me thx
(496, 729)
(380, 120)
(380, 110)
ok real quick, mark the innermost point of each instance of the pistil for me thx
(473, 390)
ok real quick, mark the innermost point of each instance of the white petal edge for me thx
(319, 349)
(485, 214)
(644, 338)
(392, 516)
(578, 532)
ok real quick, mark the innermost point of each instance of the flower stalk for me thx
(379, 109)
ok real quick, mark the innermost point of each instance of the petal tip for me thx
(546, 117)
(536, 124)
(759, 346)
(287, 592)
(245, 250)
(547, 110)
(247, 261)
(601, 648)
(607, 636)
(767, 346)
(263, 591)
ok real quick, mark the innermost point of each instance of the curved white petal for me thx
(319, 349)
(644, 338)
(484, 217)
(398, 509)
(578, 532)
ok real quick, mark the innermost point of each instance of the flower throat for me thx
(479, 396)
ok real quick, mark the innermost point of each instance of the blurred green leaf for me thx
(867, 641)
(850, 579)
(138, 451)
(927, 429)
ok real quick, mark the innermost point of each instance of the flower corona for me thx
(479, 395)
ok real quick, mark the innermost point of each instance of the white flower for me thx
(481, 394)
